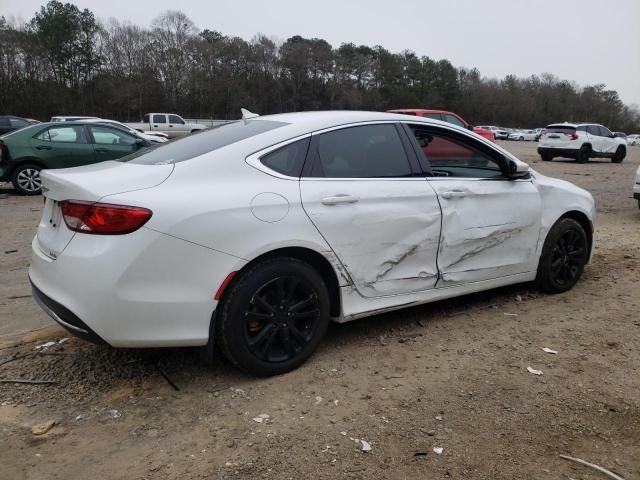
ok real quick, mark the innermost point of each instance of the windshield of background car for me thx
(201, 143)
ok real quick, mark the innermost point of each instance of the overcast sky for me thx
(587, 41)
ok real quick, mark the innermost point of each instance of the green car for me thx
(25, 152)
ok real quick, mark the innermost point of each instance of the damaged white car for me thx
(256, 234)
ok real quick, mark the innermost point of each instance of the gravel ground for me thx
(450, 375)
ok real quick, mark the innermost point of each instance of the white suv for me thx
(581, 141)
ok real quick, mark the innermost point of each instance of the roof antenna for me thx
(246, 114)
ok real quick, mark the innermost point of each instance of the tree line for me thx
(63, 61)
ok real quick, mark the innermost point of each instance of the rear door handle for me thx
(44, 147)
(453, 194)
(339, 198)
(101, 150)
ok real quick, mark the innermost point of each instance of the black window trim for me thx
(500, 158)
(313, 157)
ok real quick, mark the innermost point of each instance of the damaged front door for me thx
(382, 222)
(490, 223)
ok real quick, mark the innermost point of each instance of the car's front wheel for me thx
(26, 179)
(546, 157)
(618, 157)
(563, 258)
(273, 316)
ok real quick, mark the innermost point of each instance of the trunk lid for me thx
(90, 183)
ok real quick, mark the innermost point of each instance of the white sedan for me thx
(522, 135)
(256, 234)
(633, 140)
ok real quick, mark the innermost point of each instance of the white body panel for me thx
(215, 213)
(384, 231)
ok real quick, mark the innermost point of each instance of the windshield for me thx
(200, 143)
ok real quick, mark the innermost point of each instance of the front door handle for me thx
(339, 198)
(44, 147)
(101, 150)
(453, 194)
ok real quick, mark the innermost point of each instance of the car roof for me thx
(418, 110)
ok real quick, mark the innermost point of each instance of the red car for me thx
(445, 116)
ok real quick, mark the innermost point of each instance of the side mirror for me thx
(139, 143)
(518, 169)
(470, 127)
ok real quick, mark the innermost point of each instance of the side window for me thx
(368, 151)
(110, 136)
(159, 119)
(4, 122)
(18, 122)
(593, 130)
(287, 160)
(455, 120)
(145, 119)
(451, 156)
(435, 116)
(176, 119)
(581, 128)
(605, 132)
(74, 134)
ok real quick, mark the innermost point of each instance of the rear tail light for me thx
(573, 136)
(103, 218)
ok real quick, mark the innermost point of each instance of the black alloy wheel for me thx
(563, 258)
(280, 319)
(583, 154)
(273, 316)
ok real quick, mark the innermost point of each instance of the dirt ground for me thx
(451, 374)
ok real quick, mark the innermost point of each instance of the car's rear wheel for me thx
(521, 139)
(26, 179)
(546, 157)
(273, 316)
(618, 157)
(563, 258)
(583, 154)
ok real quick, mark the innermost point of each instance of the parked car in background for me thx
(523, 135)
(633, 140)
(246, 233)
(69, 118)
(448, 117)
(539, 132)
(581, 142)
(153, 137)
(9, 123)
(621, 135)
(25, 152)
(169, 123)
(498, 132)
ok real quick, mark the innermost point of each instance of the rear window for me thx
(201, 143)
(559, 129)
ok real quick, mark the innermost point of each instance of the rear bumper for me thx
(65, 317)
(558, 152)
(144, 289)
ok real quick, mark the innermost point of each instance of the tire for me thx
(618, 157)
(546, 157)
(26, 179)
(563, 257)
(254, 326)
(583, 154)
(521, 139)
